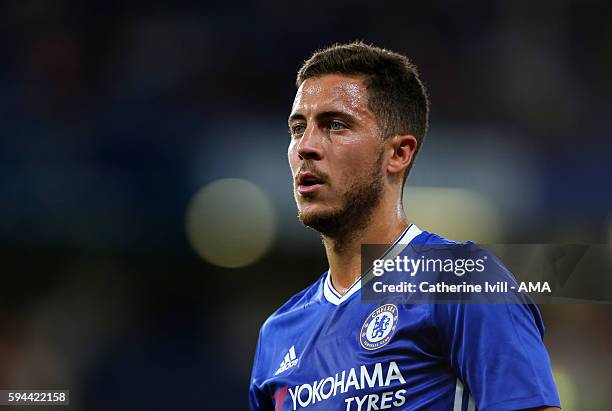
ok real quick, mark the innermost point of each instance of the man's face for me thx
(335, 153)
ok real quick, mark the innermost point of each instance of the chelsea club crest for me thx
(379, 327)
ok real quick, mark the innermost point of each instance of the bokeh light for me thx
(567, 389)
(473, 217)
(230, 223)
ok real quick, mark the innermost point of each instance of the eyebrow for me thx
(296, 116)
(322, 116)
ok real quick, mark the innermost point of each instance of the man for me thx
(357, 122)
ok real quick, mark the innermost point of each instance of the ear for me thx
(403, 152)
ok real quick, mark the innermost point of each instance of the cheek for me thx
(366, 135)
(349, 140)
(359, 164)
(351, 170)
(355, 153)
(364, 140)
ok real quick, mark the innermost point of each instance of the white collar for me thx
(404, 239)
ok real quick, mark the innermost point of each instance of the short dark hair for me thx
(396, 95)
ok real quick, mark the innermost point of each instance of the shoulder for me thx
(436, 245)
(517, 307)
(426, 237)
(282, 329)
(294, 306)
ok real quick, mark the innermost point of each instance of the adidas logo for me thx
(289, 361)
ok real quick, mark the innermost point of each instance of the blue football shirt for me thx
(313, 353)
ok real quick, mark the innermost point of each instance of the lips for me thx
(309, 179)
(308, 182)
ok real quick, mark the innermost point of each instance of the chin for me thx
(311, 212)
(322, 219)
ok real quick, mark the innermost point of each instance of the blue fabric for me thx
(433, 356)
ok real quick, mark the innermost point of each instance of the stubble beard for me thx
(355, 213)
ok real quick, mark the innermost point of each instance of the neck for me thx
(385, 225)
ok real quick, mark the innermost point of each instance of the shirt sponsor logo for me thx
(355, 380)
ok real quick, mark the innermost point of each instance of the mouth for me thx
(308, 182)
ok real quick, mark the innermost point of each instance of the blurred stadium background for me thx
(147, 224)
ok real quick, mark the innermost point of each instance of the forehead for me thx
(331, 92)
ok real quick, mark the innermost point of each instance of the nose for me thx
(309, 146)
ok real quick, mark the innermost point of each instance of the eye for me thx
(336, 125)
(297, 129)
